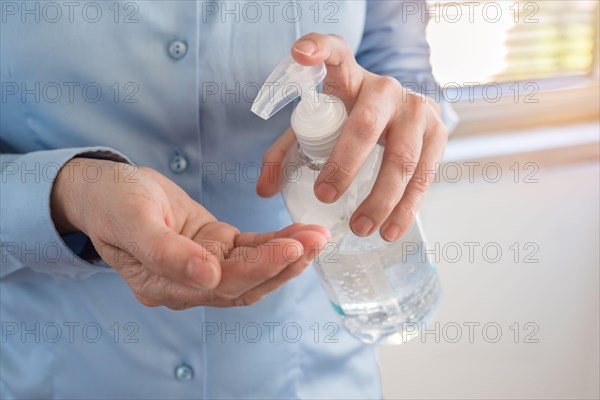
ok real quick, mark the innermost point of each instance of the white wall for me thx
(559, 294)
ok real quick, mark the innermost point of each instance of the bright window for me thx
(477, 42)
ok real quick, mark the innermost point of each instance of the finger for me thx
(253, 239)
(404, 213)
(170, 255)
(216, 238)
(270, 180)
(373, 110)
(312, 242)
(249, 266)
(344, 74)
(400, 159)
(178, 297)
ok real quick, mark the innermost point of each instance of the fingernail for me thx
(306, 47)
(362, 226)
(325, 192)
(203, 274)
(391, 233)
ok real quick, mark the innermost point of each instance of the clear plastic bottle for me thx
(384, 292)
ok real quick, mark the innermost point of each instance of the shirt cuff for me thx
(27, 232)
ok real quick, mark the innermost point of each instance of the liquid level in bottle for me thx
(382, 295)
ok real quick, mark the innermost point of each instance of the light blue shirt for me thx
(169, 85)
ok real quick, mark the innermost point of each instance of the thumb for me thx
(270, 180)
(178, 258)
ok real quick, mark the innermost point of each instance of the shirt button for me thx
(184, 372)
(178, 163)
(177, 49)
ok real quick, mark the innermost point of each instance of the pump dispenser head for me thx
(288, 81)
(317, 119)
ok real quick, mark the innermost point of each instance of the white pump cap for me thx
(317, 119)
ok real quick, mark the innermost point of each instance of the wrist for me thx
(63, 199)
(72, 190)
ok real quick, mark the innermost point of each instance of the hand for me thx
(168, 248)
(380, 109)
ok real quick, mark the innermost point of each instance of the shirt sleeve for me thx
(28, 237)
(395, 44)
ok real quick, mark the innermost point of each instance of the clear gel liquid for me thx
(384, 292)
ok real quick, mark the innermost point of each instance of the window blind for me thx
(478, 42)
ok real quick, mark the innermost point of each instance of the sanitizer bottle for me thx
(384, 292)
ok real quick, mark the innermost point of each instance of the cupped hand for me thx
(168, 248)
(380, 110)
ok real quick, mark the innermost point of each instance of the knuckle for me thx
(408, 210)
(420, 185)
(365, 126)
(387, 83)
(402, 161)
(417, 105)
(425, 176)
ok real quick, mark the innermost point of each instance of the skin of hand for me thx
(168, 248)
(380, 110)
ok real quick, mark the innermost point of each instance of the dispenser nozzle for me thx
(288, 81)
